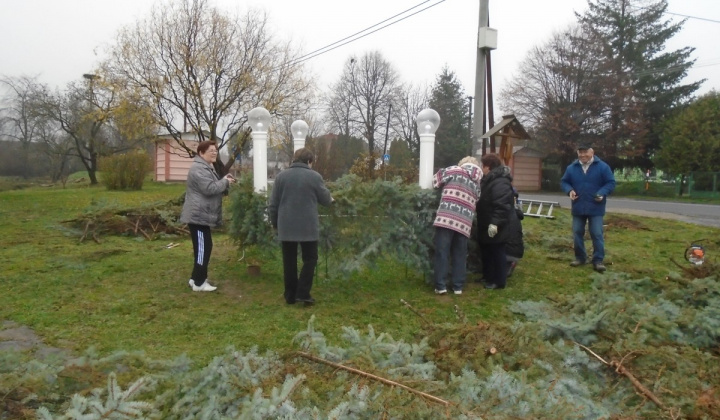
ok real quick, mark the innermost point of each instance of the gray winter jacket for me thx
(203, 197)
(293, 204)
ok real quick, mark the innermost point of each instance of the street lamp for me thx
(428, 121)
(299, 130)
(259, 120)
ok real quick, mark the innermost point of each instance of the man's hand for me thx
(599, 198)
(230, 178)
(573, 195)
(492, 230)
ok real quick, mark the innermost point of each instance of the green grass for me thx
(128, 293)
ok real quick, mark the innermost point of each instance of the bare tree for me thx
(364, 94)
(203, 69)
(408, 103)
(19, 119)
(558, 92)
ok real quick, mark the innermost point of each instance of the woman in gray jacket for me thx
(293, 212)
(202, 210)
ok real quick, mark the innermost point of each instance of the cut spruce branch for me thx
(374, 377)
(619, 368)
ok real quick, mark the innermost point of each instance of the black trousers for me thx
(202, 248)
(494, 263)
(299, 287)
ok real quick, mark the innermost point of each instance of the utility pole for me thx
(470, 128)
(487, 40)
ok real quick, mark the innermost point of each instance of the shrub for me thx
(125, 171)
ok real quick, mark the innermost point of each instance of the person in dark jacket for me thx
(202, 210)
(588, 181)
(495, 211)
(293, 212)
(515, 247)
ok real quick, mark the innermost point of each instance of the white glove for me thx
(492, 230)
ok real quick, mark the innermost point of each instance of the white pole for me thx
(299, 129)
(427, 122)
(260, 161)
(259, 120)
(427, 156)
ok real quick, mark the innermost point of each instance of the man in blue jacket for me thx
(588, 181)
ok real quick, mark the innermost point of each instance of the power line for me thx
(693, 17)
(354, 37)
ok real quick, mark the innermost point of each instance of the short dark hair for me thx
(204, 145)
(491, 160)
(303, 155)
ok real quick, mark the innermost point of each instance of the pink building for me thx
(172, 162)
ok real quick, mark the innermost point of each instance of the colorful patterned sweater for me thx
(460, 189)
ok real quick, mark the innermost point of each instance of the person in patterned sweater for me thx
(453, 221)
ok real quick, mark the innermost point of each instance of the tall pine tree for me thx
(452, 139)
(643, 83)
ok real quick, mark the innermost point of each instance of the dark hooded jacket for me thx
(495, 206)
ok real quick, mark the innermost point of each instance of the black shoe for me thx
(577, 263)
(599, 267)
(511, 268)
(493, 286)
(307, 301)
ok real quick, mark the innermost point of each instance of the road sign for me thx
(386, 158)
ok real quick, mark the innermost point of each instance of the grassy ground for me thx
(128, 293)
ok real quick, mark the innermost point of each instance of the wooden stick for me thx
(374, 377)
(640, 387)
(621, 370)
(414, 311)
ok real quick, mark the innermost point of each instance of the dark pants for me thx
(202, 248)
(450, 246)
(494, 263)
(299, 288)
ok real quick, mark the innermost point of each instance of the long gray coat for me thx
(293, 204)
(203, 197)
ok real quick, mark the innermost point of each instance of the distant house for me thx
(526, 165)
(525, 162)
(172, 162)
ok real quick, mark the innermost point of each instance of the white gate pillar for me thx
(259, 119)
(427, 122)
(299, 130)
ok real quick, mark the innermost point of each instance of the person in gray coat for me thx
(202, 210)
(293, 212)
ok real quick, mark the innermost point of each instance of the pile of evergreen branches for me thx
(628, 348)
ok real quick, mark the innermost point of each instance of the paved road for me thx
(700, 214)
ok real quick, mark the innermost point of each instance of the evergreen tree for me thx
(452, 139)
(690, 140)
(643, 82)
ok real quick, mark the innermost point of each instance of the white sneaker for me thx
(457, 292)
(440, 292)
(191, 283)
(205, 287)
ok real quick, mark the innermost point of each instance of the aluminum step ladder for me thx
(537, 208)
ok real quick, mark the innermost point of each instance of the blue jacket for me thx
(599, 180)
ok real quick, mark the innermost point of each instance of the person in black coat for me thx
(495, 210)
(515, 247)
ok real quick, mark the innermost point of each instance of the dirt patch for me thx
(15, 337)
(624, 223)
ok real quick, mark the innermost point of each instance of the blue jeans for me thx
(596, 234)
(450, 245)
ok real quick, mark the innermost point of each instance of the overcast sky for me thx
(59, 40)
